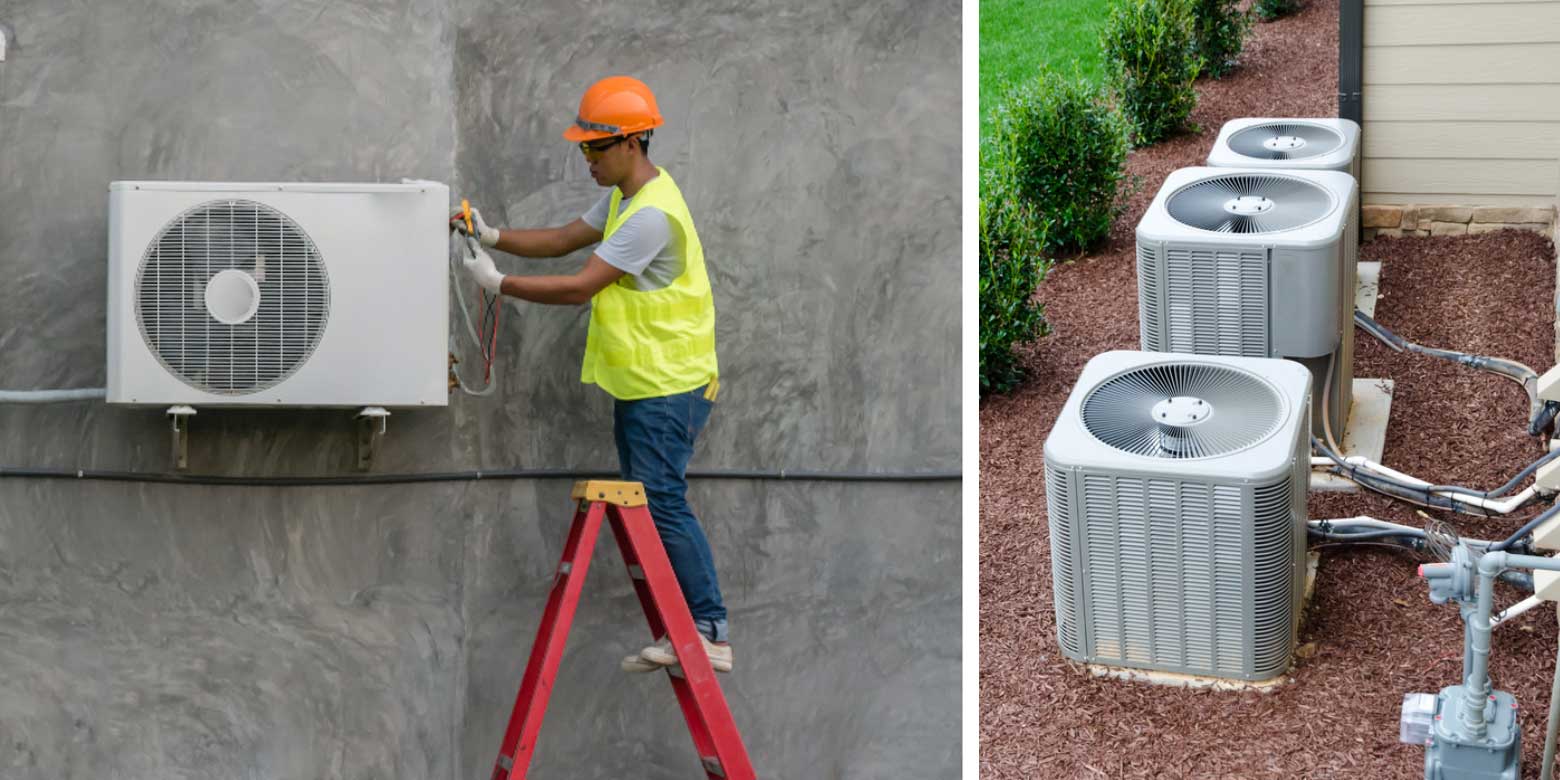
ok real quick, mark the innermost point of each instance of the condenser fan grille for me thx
(1284, 141)
(232, 296)
(1249, 203)
(1182, 410)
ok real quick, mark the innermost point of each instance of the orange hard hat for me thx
(615, 105)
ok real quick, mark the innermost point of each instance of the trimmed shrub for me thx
(1012, 263)
(1152, 57)
(1061, 148)
(1268, 10)
(1220, 29)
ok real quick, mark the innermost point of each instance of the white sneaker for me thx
(633, 664)
(661, 654)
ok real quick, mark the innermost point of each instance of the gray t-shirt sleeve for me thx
(597, 216)
(637, 241)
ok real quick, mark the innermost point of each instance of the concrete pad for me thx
(1175, 679)
(1366, 430)
(1366, 433)
(1367, 286)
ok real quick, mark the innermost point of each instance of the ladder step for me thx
(718, 744)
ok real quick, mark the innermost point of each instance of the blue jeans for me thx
(655, 439)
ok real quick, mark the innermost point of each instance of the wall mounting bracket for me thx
(367, 435)
(178, 417)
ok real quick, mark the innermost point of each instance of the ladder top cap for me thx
(619, 493)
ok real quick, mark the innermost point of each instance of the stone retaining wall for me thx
(1394, 221)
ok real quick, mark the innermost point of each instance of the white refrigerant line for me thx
(1499, 506)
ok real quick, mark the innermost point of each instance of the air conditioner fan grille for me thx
(1249, 203)
(1149, 411)
(244, 330)
(1284, 141)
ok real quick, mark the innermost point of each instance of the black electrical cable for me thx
(1391, 487)
(463, 476)
(1407, 539)
(1387, 533)
(1424, 495)
(1526, 528)
(1511, 484)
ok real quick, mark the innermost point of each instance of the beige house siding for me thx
(1461, 102)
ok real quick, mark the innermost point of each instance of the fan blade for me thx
(1252, 141)
(1120, 411)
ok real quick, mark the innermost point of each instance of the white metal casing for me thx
(1296, 279)
(1345, 157)
(384, 251)
(1549, 384)
(1194, 565)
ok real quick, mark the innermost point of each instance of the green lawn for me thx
(1019, 37)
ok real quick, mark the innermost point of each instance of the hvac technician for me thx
(651, 343)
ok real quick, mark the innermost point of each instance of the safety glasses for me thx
(595, 151)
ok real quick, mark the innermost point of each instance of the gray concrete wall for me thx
(175, 631)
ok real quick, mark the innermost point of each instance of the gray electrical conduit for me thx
(1413, 490)
(1510, 369)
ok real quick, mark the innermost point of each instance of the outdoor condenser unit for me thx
(330, 295)
(1176, 488)
(1327, 144)
(1254, 263)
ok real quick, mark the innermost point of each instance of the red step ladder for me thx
(704, 707)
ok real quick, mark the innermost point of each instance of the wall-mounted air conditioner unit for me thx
(324, 295)
(1256, 264)
(1176, 487)
(1327, 144)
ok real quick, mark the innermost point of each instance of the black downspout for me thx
(1351, 72)
(1351, 58)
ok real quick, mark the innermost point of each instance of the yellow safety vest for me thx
(661, 342)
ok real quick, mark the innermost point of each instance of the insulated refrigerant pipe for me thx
(1459, 495)
(52, 396)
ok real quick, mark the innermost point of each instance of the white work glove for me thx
(487, 235)
(480, 265)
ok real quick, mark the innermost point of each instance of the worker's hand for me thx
(487, 235)
(480, 265)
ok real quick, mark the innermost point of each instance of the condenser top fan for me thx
(1182, 410)
(1319, 143)
(1284, 141)
(1209, 417)
(1250, 203)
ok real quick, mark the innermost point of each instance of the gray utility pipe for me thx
(52, 396)
(1476, 678)
(1548, 772)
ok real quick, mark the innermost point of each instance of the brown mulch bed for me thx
(1370, 635)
